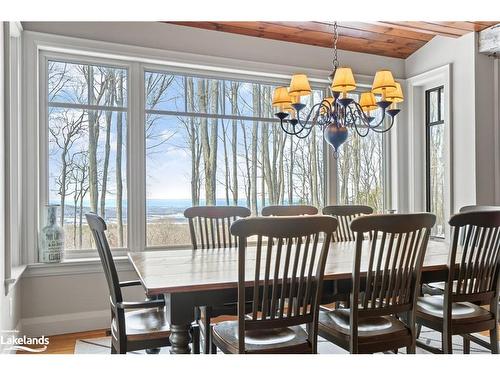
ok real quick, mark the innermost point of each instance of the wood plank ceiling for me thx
(393, 39)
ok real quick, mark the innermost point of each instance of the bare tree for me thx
(255, 130)
(234, 142)
(119, 151)
(108, 101)
(209, 138)
(65, 130)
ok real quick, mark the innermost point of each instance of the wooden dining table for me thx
(208, 277)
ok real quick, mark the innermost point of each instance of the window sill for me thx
(74, 267)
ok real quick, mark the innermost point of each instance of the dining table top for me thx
(187, 270)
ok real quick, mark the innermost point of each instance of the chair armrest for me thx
(129, 283)
(141, 305)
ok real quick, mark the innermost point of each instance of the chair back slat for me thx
(345, 214)
(474, 256)
(286, 273)
(396, 250)
(290, 210)
(98, 228)
(209, 226)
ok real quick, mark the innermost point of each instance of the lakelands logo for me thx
(13, 341)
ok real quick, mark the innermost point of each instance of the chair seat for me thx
(280, 340)
(144, 324)
(336, 323)
(432, 307)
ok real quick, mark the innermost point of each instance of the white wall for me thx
(486, 128)
(473, 114)
(70, 301)
(10, 301)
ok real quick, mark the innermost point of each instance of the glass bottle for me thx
(51, 242)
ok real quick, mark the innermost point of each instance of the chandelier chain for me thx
(335, 39)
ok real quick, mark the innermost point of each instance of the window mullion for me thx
(136, 174)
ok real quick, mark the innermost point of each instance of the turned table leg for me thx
(179, 339)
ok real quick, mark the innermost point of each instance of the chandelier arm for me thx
(365, 119)
(286, 130)
(304, 135)
(356, 127)
(304, 123)
(386, 129)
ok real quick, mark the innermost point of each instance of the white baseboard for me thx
(65, 323)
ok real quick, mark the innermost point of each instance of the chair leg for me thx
(447, 343)
(207, 337)
(213, 348)
(412, 349)
(418, 330)
(195, 338)
(113, 349)
(494, 340)
(466, 346)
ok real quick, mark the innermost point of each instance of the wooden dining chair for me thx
(283, 277)
(134, 325)
(478, 208)
(385, 275)
(290, 210)
(472, 281)
(345, 214)
(437, 288)
(209, 227)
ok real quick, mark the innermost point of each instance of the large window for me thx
(213, 141)
(435, 157)
(181, 140)
(87, 128)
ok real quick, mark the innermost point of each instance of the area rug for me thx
(103, 345)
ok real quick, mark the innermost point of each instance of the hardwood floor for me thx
(65, 344)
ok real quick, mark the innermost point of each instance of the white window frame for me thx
(221, 77)
(416, 87)
(13, 267)
(38, 47)
(44, 57)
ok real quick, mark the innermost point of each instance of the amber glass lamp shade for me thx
(343, 80)
(294, 98)
(299, 86)
(383, 81)
(395, 95)
(285, 108)
(367, 101)
(281, 97)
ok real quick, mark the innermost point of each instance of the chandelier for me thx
(339, 112)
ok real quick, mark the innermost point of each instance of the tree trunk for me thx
(193, 139)
(314, 167)
(119, 142)
(93, 141)
(108, 116)
(227, 173)
(209, 140)
(234, 111)
(255, 96)
(248, 167)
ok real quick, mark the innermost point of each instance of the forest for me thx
(208, 142)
